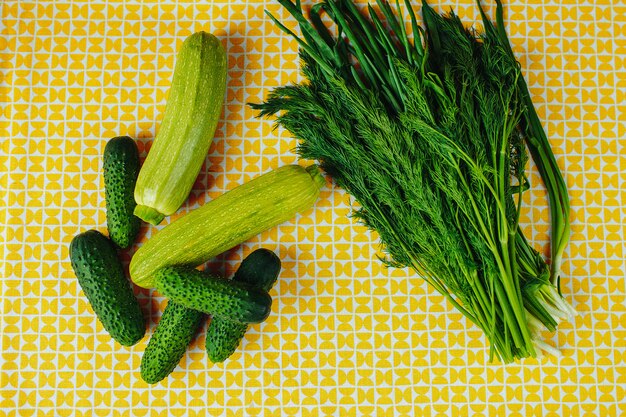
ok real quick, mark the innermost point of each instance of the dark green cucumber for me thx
(178, 324)
(215, 296)
(121, 168)
(169, 342)
(259, 269)
(101, 276)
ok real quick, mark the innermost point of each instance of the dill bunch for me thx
(429, 136)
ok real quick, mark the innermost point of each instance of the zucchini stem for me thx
(149, 214)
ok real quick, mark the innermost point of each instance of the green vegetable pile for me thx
(168, 260)
(430, 134)
(191, 294)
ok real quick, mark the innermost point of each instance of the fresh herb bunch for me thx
(428, 133)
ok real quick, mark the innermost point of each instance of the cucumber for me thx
(101, 276)
(191, 115)
(215, 296)
(170, 340)
(259, 269)
(121, 167)
(178, 324)
(232, 218)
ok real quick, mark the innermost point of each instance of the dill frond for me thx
(427, 135)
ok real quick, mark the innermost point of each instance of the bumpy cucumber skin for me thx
(260, 269)
(215, 296)
(101, 276)
(169, 342)
(223, 338)
(121, 167)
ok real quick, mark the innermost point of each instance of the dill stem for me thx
(489, 309)
(542, 154)
(513, 313)
(512, 309)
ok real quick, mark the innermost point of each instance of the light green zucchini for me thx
(227, 221)
(191, 115)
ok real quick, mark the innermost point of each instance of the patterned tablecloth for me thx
(346, 337)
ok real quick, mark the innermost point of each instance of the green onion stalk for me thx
(544, 297)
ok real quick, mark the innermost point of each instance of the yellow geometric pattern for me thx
(346, 337)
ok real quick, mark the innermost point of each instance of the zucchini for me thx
(169, 342)
(121, 166)
(215, 296)
(230, 219)
(191, 115)
(101, 276)
(259, 269)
